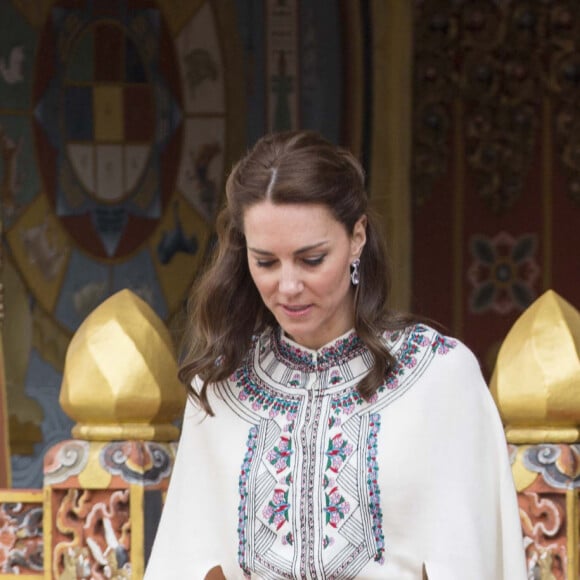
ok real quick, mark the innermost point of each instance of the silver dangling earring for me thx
(355, 274)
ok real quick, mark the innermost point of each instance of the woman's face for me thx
(299, 258)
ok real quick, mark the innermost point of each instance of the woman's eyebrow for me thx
(296, 252)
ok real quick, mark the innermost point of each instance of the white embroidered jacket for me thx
(297, 477)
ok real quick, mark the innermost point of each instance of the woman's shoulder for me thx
(421, 335)
(420, 340)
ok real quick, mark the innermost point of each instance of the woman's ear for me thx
(359, 237)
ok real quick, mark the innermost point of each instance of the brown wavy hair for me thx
(224, 307)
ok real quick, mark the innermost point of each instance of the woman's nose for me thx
(290, 282)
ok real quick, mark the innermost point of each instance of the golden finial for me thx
(536, 380)
(120, 375)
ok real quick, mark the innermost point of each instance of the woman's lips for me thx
(296, 311)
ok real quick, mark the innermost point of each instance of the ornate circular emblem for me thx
(109, 120)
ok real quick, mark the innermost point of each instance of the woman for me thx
(326, 437)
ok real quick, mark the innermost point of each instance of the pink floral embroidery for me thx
(442, 344)
(288, 539)
(335, 377)
(336, 507)
(276, 512)
(334, 421)
(295, 380)
(279, 457)
(261, 397)
(337, 451)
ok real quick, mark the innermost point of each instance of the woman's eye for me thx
(264, 263)
(314, 261)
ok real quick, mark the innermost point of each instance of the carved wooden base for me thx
(102, 505)
(547, 478)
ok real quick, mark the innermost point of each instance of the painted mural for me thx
(113, 140)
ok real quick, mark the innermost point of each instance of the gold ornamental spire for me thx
(536, 380)
(120, 376)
